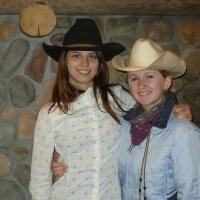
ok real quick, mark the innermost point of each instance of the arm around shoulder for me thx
(127, 99)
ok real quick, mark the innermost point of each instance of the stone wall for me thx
(27, 76)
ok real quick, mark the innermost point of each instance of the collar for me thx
(164, 115)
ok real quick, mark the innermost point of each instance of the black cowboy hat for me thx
(84, 35)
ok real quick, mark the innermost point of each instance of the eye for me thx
(134, 78)
(93, 56)
(76, 55)
(149, 76)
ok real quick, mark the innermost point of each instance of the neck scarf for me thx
(158, 116)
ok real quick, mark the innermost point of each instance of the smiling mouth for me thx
(144, 93)
(84, 71)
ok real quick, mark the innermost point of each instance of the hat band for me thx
(81, 45)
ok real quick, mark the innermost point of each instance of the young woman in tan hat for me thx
(159, 155)
(82, 121)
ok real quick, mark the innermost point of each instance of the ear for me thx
(168, 83)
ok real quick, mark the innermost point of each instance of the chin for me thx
(144, 103)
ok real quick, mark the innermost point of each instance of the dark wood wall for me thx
(106, 7)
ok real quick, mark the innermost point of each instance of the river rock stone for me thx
(189, 32)
(9, 190)
(121, 25)
(177, 85)
(57, 39)
(45, 95)
(22, 91)
(157, 29)
(5, 165)
(63, 22)
(171, 47)
(26, 125)
(191, 95)
(115, 76)
(31, 150)
(13, 57)
(20, 153)
(8, 28)
(36, 66)
(54, 66)
(22, 174)
(192, 60)
(7, 134)
(3, 94)
(126, 41)
(9, 113)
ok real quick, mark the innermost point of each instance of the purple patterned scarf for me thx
(158, 115)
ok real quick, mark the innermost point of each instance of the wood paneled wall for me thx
(106, 7)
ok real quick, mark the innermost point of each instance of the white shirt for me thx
(87, 140)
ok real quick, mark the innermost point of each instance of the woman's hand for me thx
(182, 111)
(58, 168)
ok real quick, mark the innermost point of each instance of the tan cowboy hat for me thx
(146, 54)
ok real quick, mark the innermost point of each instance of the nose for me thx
(84, 61)
(142, 84)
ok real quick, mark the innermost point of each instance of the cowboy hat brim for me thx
(109, 50)
(167, 61)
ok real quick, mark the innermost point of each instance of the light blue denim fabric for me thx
(173, 162)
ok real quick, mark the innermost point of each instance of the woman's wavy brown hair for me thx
(64, 93)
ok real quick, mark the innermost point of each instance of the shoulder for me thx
(182, 124)
(45, 108)
(183, 129)
(118, 88)
(45, 111)
(124, 96)
(120, 91)
(186, 146)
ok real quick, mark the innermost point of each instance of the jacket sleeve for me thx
(128, 101)
(124, 156)
(41, 175)
(186, 159)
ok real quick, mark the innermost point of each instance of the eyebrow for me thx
(132, 75)
(92, 52)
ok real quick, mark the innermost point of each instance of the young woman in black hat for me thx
(82, 121)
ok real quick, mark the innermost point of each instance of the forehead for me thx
(82, 52)
(141, 72)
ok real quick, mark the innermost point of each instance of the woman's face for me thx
(82, 67)
(148, 87)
